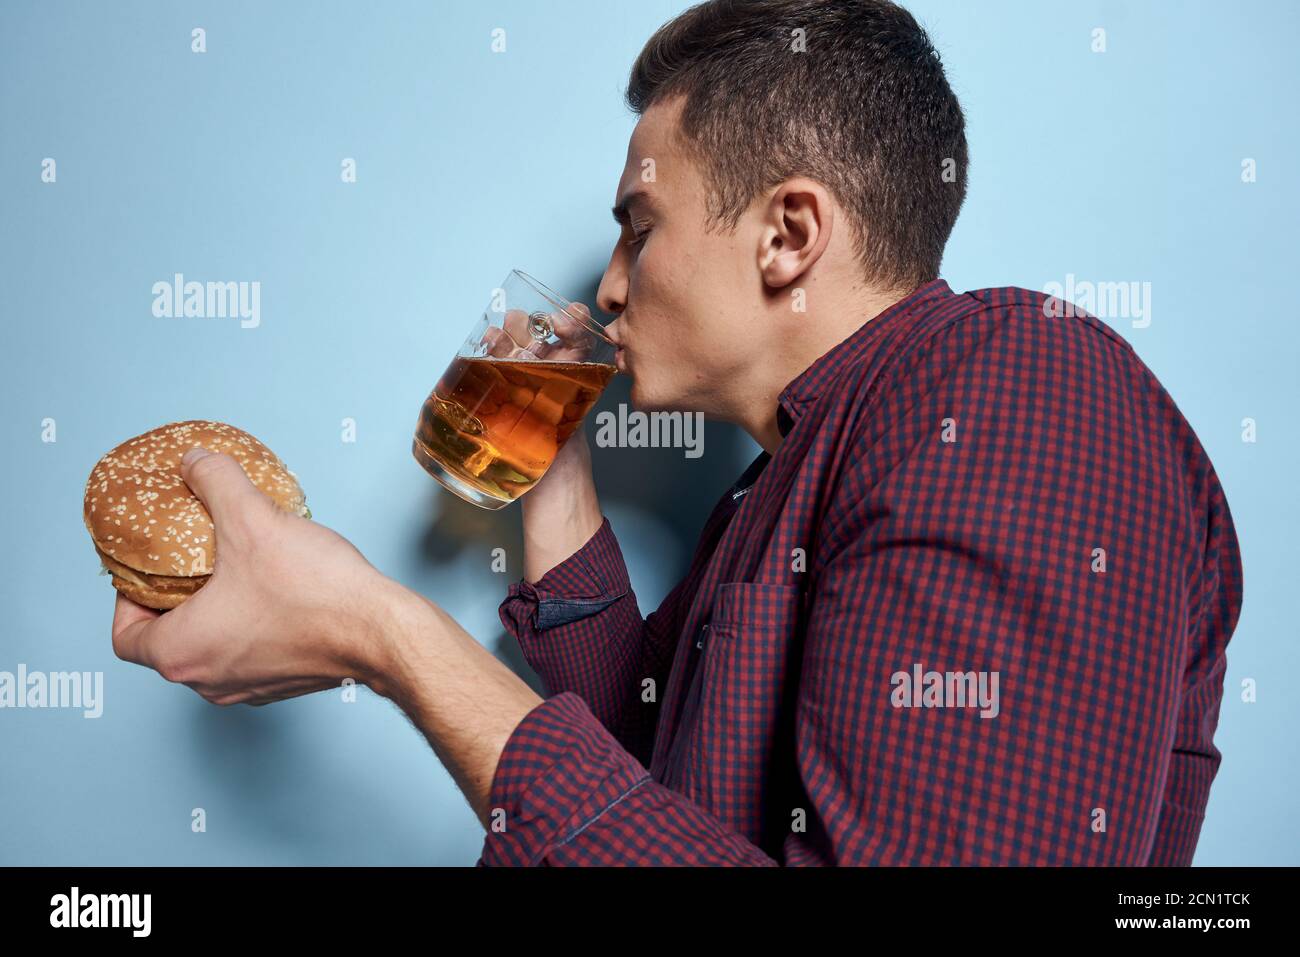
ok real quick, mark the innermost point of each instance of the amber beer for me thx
(497, 424)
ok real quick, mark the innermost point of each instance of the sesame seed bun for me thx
(152, 534)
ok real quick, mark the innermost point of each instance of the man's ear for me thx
(795, 230)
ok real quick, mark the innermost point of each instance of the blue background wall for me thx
(1115, 166)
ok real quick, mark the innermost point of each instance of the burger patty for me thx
(164, 583)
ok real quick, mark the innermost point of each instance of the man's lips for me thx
(619, 362)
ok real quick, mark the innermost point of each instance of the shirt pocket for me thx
(744, 715)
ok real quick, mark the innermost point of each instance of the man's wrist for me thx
(392, 613)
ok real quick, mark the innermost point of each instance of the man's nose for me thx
(611, 296)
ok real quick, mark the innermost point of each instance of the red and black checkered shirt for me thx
(974, 610)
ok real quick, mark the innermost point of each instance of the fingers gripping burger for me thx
(152, 533)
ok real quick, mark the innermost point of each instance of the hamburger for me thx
(152, 534)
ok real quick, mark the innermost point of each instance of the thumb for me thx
(136, 632)
(220, 483)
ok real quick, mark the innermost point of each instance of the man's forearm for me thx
(464, 701)
(562, 512)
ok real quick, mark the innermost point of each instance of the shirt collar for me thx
(747, 479)
(809, 384)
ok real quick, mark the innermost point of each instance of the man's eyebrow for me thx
(620, 210)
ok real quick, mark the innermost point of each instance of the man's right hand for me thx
(561, 511)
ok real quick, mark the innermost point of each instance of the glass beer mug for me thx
(529, 371)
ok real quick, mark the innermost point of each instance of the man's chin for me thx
(641, 399)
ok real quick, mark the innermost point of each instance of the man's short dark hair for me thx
(864, 109)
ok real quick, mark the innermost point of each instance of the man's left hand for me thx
(291, 606)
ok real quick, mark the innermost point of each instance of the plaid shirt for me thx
(969, 484)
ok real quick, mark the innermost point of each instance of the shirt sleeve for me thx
(579, 627)
(566, 792)
(1194, 760)
(1005, 591)
(571, 785)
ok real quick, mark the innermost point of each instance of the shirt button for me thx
(704, 633)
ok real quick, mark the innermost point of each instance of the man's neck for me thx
(820, 332)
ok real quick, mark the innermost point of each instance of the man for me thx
(968, 606)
